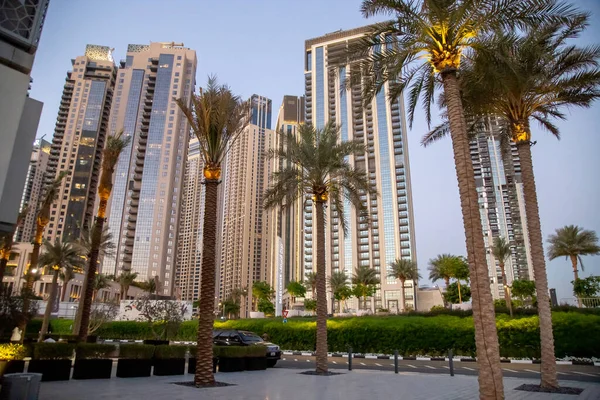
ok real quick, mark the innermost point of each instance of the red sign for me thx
(284, 313)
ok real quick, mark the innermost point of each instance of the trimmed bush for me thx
(231, 351)
(93, 350)
(256, 351)
(11, 351)
(53, 351)
(136, 351)
(167, 352)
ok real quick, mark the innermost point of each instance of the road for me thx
(583, 373)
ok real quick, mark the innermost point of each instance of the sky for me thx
(258, 47)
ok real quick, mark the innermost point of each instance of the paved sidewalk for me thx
(288, 384)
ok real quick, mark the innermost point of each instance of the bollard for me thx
(350, 359)
(396, 361)
(451, 362)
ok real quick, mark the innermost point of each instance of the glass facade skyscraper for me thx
(381, 126)
(79, 136)
(144, 208)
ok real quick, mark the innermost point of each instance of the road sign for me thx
(285, 320)
(284, 313)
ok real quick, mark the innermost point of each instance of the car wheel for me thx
(271, 363)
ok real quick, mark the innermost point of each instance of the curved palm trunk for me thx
(484, 318)
(403, 295)
(90, 275)
(28, 288)
(507, 299)
(49, 306)
(459, 295)
(63, 293)
(204, 368)
(321, 290)
(575, 275)
(3, 262)
(548, 363)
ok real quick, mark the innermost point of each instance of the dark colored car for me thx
(245, 338)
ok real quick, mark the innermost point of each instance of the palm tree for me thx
(421, 50)
(115, 144)
(337, 282)
(440, 268)
(311, 282)
(502, 252)
(518, 79)
(217, 117)
(572, 242)
(6, 242)
(100, 282)
(66, 275)
(403, 270)
(125, 279)
(365, 281)
(459, 270)
(58, 256)
(315, 163)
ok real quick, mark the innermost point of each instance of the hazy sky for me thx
(258, 46)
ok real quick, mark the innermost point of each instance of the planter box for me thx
(192, 365)
(256, 363)
(169, 366)
(92, 369)
(11, 367)
(232, 364)
(257, 314)
(51, 370)
(133, 368)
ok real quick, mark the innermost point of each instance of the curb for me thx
(456, 359)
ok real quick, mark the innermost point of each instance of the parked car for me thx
(245, 338)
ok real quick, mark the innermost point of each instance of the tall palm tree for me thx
(114, 146)
(315, 163)
(58, 256)
(365, 281)
(502, 252)
(338, 281)
(6, 242)
(311, 282)
(440, 268)
(421, 50)
(459, 268)
(572, 242)
(403, 270)
(518, 79)
(217, 117)
(125, 279)
(42, 219)
(66, 275)
(106, 248)
(101, 281)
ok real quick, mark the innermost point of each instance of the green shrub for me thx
(166, 351)
(256, 351)
(12, 351)
(231, 351)
(136, 351)
(94, 350)
(53, 351)
(194, 351)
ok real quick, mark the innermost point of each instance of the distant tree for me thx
(365, 283)
(451, 294)
(502, 252)
(231, 307)
(523, 289)
(310, 304)
(341, 295)
(100, 282)
(403, 270)
(125, 280)
(587, 290)
(295, 289)
(311, 283)
(338, 281)
(163, 316)
(266, 306)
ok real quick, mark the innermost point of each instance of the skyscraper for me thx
(502, 205)
(381, 126)
(145, 204)
(286, 236)
(244, 236)
(37, 176)
(79, 135)
(21, 24)
(189, 246)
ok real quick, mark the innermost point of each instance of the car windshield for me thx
(250, 337)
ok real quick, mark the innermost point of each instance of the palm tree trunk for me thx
(64, 291)
(90, 276)
(507, 299)
(484, 318)
(28, 288)
(403, 295)
(459, 295)
(49, 306)
(321, 289)
(548, 362)
(576, 276)
(204, 368)
(3, 262)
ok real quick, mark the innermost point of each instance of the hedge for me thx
(575, 334)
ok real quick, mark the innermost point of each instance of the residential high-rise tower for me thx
(381, 126)
(144, 208)
(78, 141)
